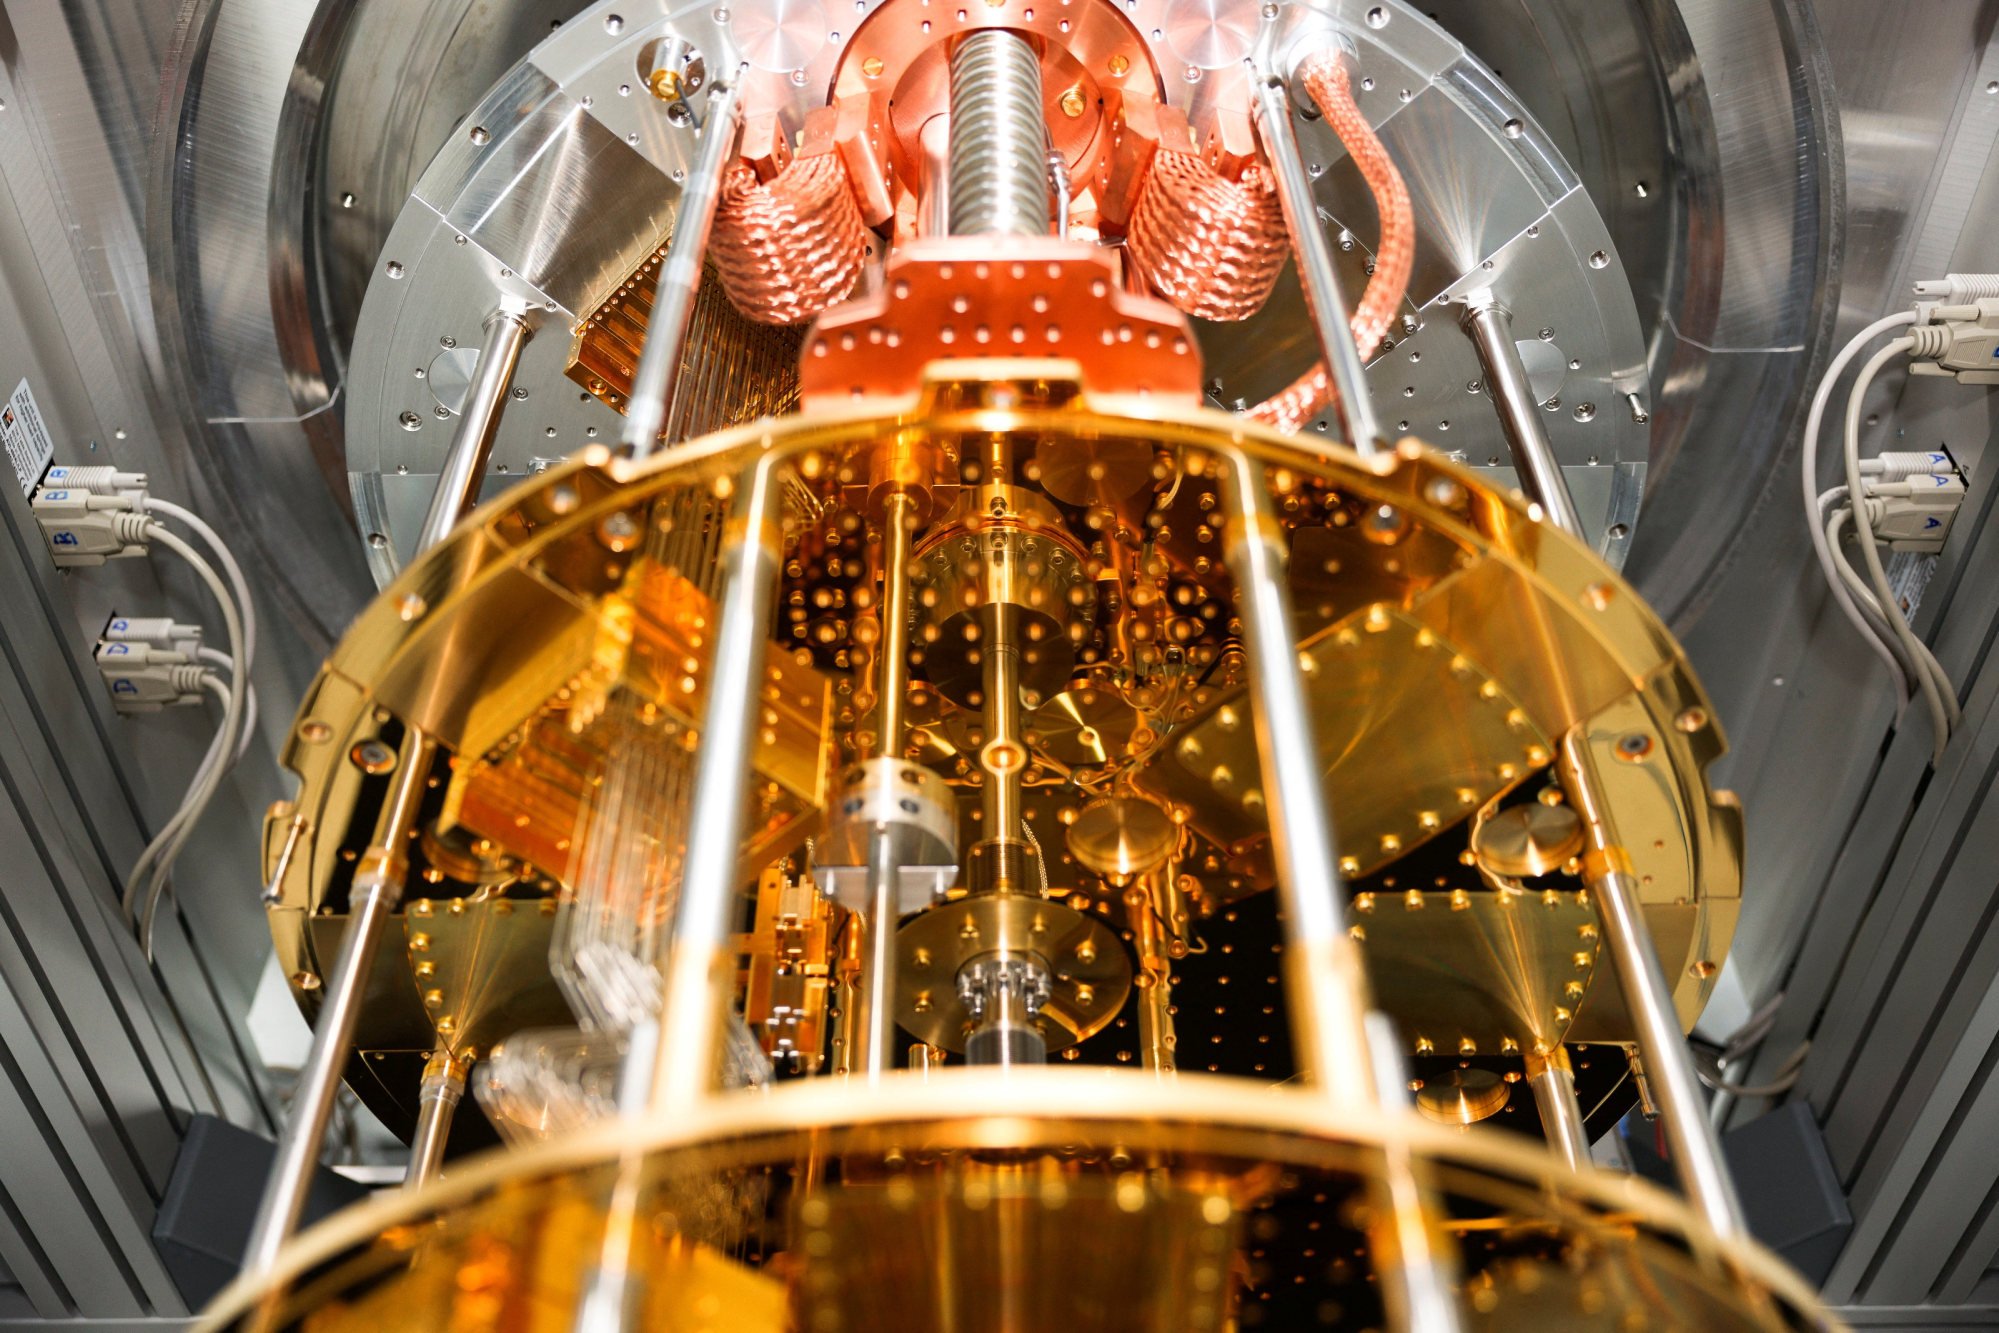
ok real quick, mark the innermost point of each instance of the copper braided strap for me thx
(1210, 245)
(1326, 79)
(788, 249)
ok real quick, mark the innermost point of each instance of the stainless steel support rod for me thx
(437, 1099)
(700, 965)
(372, 900)
(1326, 987)
(1662, 1043)
(680, 275)
(877, 1028)
(1506, 382)
(1415, 1260)
(464, 466)
(1554, 1085)
(1321, 280)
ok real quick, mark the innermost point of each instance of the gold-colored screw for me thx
(872, 67)
(1073, 102)
(665, 84)
(1120, 66)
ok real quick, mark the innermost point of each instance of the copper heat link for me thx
(1210, 245)
(788, 248)
(1326, 79)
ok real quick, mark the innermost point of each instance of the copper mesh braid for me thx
(1326, 79)
(1211, 246)
(788, 249)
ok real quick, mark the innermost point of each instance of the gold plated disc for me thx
(1090, 971)
(1123, 836)
(1524, 841)
(1462, 1096)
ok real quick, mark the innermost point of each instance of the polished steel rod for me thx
(680, 275)
(437, 1099)
(877, 997)
(1325, 984)
(1321, 280)
(700, 964)
(1648, 998)
(1553, 1081)
(877, 1028)
(464, 469)
(1512, 395)
(372, 900)
(1415, 1260)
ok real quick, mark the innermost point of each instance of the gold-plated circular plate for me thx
(1090, 971)
(1523, 841)
(1123, 836)
(1462, 1096)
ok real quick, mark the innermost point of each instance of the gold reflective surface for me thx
(1060, 1202)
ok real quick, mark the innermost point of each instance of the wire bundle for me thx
(1326, 78)
(1869, 603)
(147, 885)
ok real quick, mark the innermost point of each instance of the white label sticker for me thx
(29, 447)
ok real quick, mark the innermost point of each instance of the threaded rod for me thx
(999, 140)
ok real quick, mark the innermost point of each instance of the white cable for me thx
(1863, 596)
(1810, 470)
(1942, 703)
(165, 848)
(1926, 661)
(202, 775)
(217, 658)
(227, 559)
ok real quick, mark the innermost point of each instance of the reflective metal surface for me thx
(1657, 137)
(768, 1209)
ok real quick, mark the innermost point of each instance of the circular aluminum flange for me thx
(566, 175)
(1719, 186)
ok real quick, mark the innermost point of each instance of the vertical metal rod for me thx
(1554, 1085)
(699, 969)
(437, 1102)
(877, 992)
(680, 274)
(1003, 756)
(1512, 394)
(1147, 901)
(1662, 1043)
(1316, 273)
(933, 200)
(1416, 1265)
(877, 1028)
(464, 468)
(1324, 980)
(372, 900)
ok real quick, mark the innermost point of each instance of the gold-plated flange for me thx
(1462, 1096)
(1089, 971)
(1528, 840)
(1120, 837)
